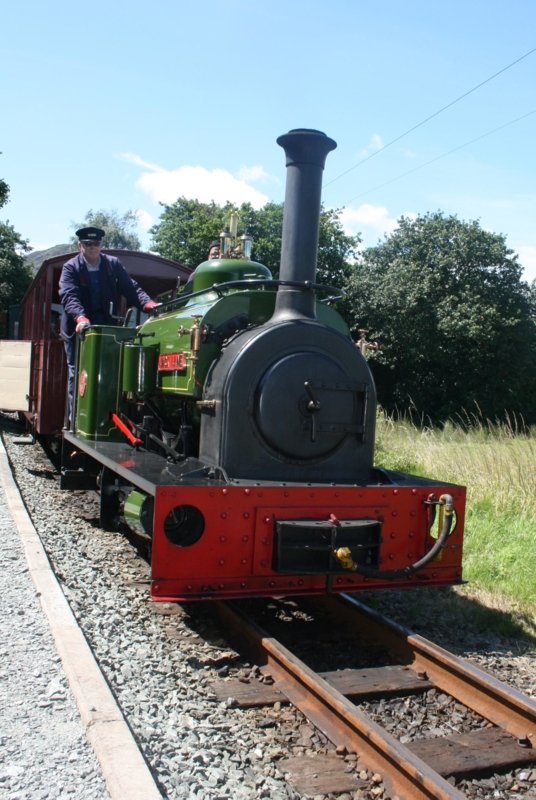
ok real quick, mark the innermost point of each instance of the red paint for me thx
(234, 556)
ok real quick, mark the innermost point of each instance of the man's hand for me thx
(150, 305)
(81, 324)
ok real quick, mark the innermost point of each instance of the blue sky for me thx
(122, 105)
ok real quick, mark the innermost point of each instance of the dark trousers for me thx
(70, 353)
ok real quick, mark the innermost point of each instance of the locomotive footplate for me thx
(309, 546)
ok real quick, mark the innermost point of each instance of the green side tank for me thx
(99, 381)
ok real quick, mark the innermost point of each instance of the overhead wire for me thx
(444, 155)
(432, 116)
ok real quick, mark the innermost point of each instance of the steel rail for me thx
(502, 705)
(404, 773)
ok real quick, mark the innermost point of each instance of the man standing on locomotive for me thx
(90, 286)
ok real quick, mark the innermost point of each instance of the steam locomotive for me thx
(235, 429)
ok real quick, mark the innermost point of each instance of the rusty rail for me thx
(339, 719)
(419, 769)
(502, 705)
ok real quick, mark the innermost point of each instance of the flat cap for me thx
(90, 234)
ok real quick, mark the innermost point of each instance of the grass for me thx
(497, 464)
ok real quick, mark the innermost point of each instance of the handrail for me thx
(220, 288)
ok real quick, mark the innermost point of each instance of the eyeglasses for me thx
(89, 242)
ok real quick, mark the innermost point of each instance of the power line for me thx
(444, 155)
(435, 114)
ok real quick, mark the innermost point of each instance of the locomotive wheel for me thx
(110, 501)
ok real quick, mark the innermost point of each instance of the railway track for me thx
(163, 662)
(504, 736)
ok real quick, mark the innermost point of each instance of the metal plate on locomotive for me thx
(308, 546)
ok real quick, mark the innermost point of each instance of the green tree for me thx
(532, 289)
(4, 192)
(15, 276)
(336, 250)
(118, 227)
(187, 227)
(446, 302)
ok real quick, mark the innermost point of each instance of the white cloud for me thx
(527, 259)
(145, 220)
(132, 158)
(255, 173)
(198, 183)
(375, 144)
(371, 221)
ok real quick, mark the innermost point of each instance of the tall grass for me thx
(497, 464)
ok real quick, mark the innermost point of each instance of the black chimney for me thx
(306, 152)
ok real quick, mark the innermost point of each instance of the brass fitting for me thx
(344, 556)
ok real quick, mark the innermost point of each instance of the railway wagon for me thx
(37, 360)
(235, 429)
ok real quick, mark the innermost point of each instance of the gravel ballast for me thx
(160, 661)
(45, 753)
